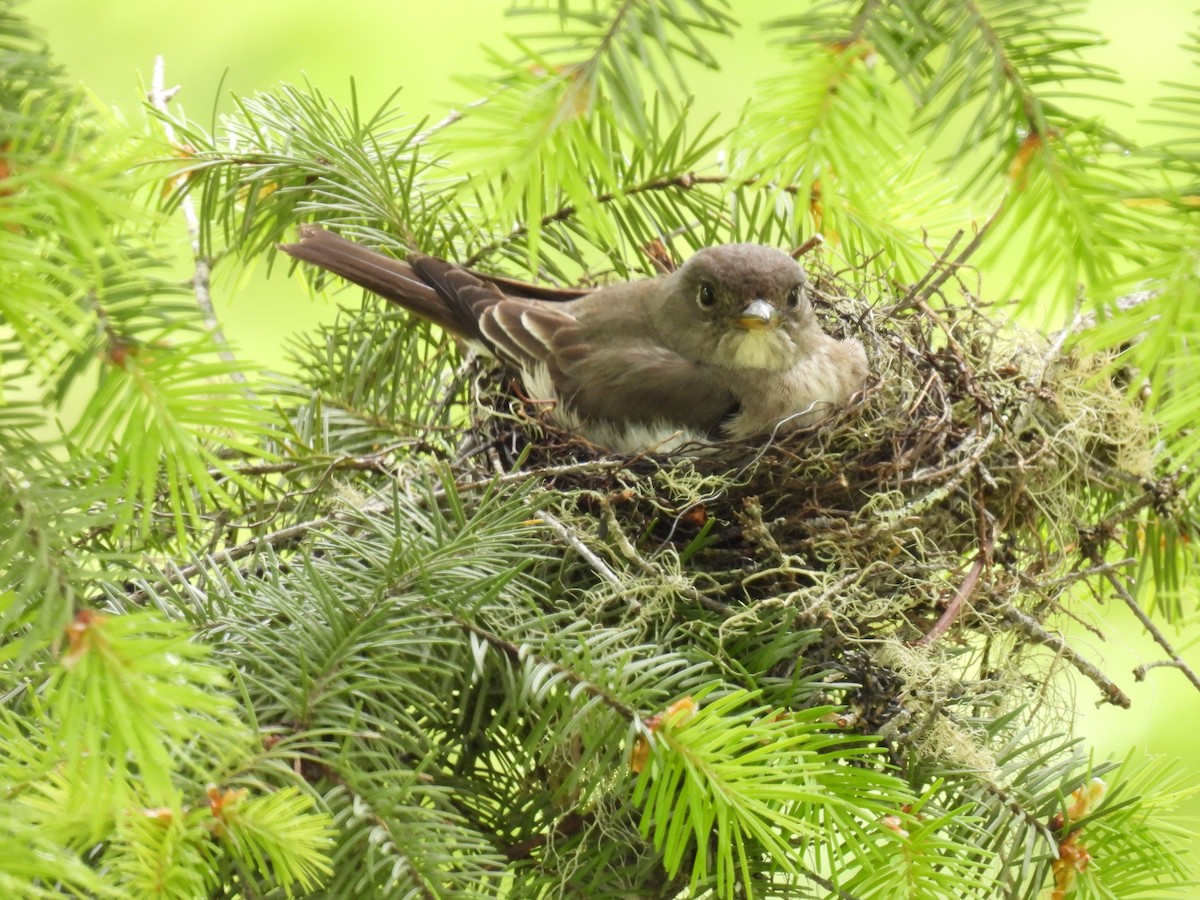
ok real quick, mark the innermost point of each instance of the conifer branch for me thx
(517, 654)
(684, 182)
(1016, 80)
(445, 619)
(576, 543)
(451, 118)
(282, 537)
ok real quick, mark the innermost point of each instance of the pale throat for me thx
(771, 349)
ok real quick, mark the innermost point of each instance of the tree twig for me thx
(567, 826)
(910, 299)
(517, 654)
(928, 286)
(685, 181)
(455, 115)
(1031, 628)
(282, 537)
(159, 97)
(1161, 639)
(808, 246)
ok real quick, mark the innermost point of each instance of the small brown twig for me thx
(827, 885)
(1140, 672)
(568, 825)
(939, 264)
(586, 467)
(808, 246)
(954, 607)
(930, 283)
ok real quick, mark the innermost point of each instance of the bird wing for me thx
(603, 369)
(639, 383)
(513, 287)
(444, 293)
(519, 331)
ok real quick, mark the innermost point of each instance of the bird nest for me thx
(983, 473)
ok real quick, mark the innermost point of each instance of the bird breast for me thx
(770, 349)
(824, 377)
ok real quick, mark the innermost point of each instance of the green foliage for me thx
(571, 103)
(763, 779)
(108, 744)
(35, 865)
(84, 300)
(113, 753)
(1139, 833)
(42, 505)
(355, 163)
(156, 858)
(840, 169)
(140, 672)
(310, 638)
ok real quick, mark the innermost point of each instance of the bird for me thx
(724, 348)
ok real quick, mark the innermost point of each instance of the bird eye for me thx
(707, 297)
(793, 297)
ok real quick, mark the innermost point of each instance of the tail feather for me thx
(390, 278)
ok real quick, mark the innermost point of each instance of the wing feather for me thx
(640, 384)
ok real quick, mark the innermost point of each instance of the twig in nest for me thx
(734, 479)
(960, 358)
(808, 246)
(911, 298)
(576, 543)
(587, 467)
(928, 286)
(954, 607)
(649, 569)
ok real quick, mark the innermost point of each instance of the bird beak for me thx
(756, 315)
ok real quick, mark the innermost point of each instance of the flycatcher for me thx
(725, 347)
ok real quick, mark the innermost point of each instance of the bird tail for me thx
(390, 278)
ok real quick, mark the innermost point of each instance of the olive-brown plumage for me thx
(726, 346)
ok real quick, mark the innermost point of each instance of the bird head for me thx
(751, 303)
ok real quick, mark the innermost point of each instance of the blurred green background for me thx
(221, 47)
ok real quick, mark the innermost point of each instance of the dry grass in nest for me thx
(983, 474)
